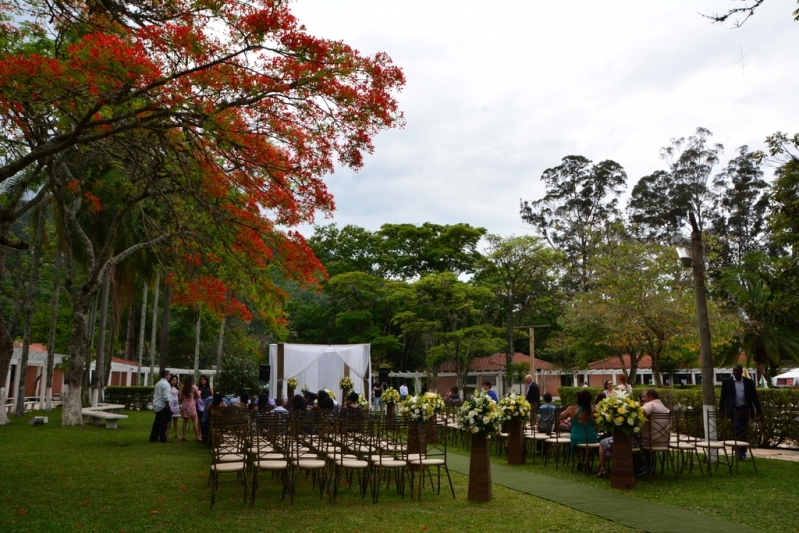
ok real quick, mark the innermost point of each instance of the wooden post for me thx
(480, 470)
(515, 444)
(622, 475)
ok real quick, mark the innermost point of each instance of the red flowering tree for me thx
(218, 120)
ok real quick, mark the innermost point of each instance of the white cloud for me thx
(498, 93)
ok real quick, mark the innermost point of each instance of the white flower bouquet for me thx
(305, 388)
(292, 383)
(620, 411)
(480, 415)
(514, 408)
(420, 408)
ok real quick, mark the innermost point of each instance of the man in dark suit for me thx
(739, 401)
(533, 395)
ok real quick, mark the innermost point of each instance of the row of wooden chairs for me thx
(329, 448)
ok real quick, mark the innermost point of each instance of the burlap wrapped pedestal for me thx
(480, 469)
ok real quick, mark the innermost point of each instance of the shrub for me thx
(133, 398)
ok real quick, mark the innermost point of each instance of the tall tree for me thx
(523, 273)
(240, 124)
(580, 205)
(741, 207)
(783, 220)
(410, 252)
(659, 203)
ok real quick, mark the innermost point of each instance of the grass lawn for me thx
(92, 479)
(766, 501)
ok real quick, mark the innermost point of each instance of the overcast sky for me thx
(498, 92)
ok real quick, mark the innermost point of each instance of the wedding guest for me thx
(279, 406)
(583, 421)
(491, 392)
(623, 385)
(189, 394)
(298, 403)
(174, 402)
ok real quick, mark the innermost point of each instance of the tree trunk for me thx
(111, 347)
(130, 333)
(6, 346)
(99, 362)
(197, 348)
(48, 369)
(219, 344)
(73, 365)
(165, 328)
(142, 327)
(155, 327)
(28, 299)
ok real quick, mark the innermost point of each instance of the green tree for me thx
(741, 207)
(764, 296)
(411, 251)
(660, 202)
(580, 205)
(642, 304)
(522, 271)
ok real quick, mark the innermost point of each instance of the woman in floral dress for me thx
(188, 398)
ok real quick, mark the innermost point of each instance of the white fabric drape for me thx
(322, 366)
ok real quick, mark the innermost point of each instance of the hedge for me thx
(780, 424)
(133, 398)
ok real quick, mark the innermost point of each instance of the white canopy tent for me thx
(320, 366)
(787, 379)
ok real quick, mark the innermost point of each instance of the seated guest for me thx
(546, 415)
(606, 393)
(324, 401)
(244, 401)
(279, 406)
(583, 421)
(352, 401)
(237, 400)
(654, 433)
(263, 403)
(298, 403)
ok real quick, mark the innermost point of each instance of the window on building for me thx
(566, 380)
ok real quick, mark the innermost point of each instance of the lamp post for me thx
(696, 260)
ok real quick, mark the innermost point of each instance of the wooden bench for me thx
(107, 414)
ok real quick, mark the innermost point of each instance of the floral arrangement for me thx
(363, 403)
(480, 415)
(305, 388)
(345, 383)
(420, 408)
(292, 383)
(514, 408)
(620, 411)
(390, 396)
(330, 393)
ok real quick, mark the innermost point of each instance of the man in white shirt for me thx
(403, 390)
(163, 414)
(279, 407)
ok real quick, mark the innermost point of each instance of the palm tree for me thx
(766, 336)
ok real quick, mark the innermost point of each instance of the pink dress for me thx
(189, 407)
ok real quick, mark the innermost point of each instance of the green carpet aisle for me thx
(635, 513)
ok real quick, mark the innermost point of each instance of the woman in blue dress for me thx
(583, 421)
